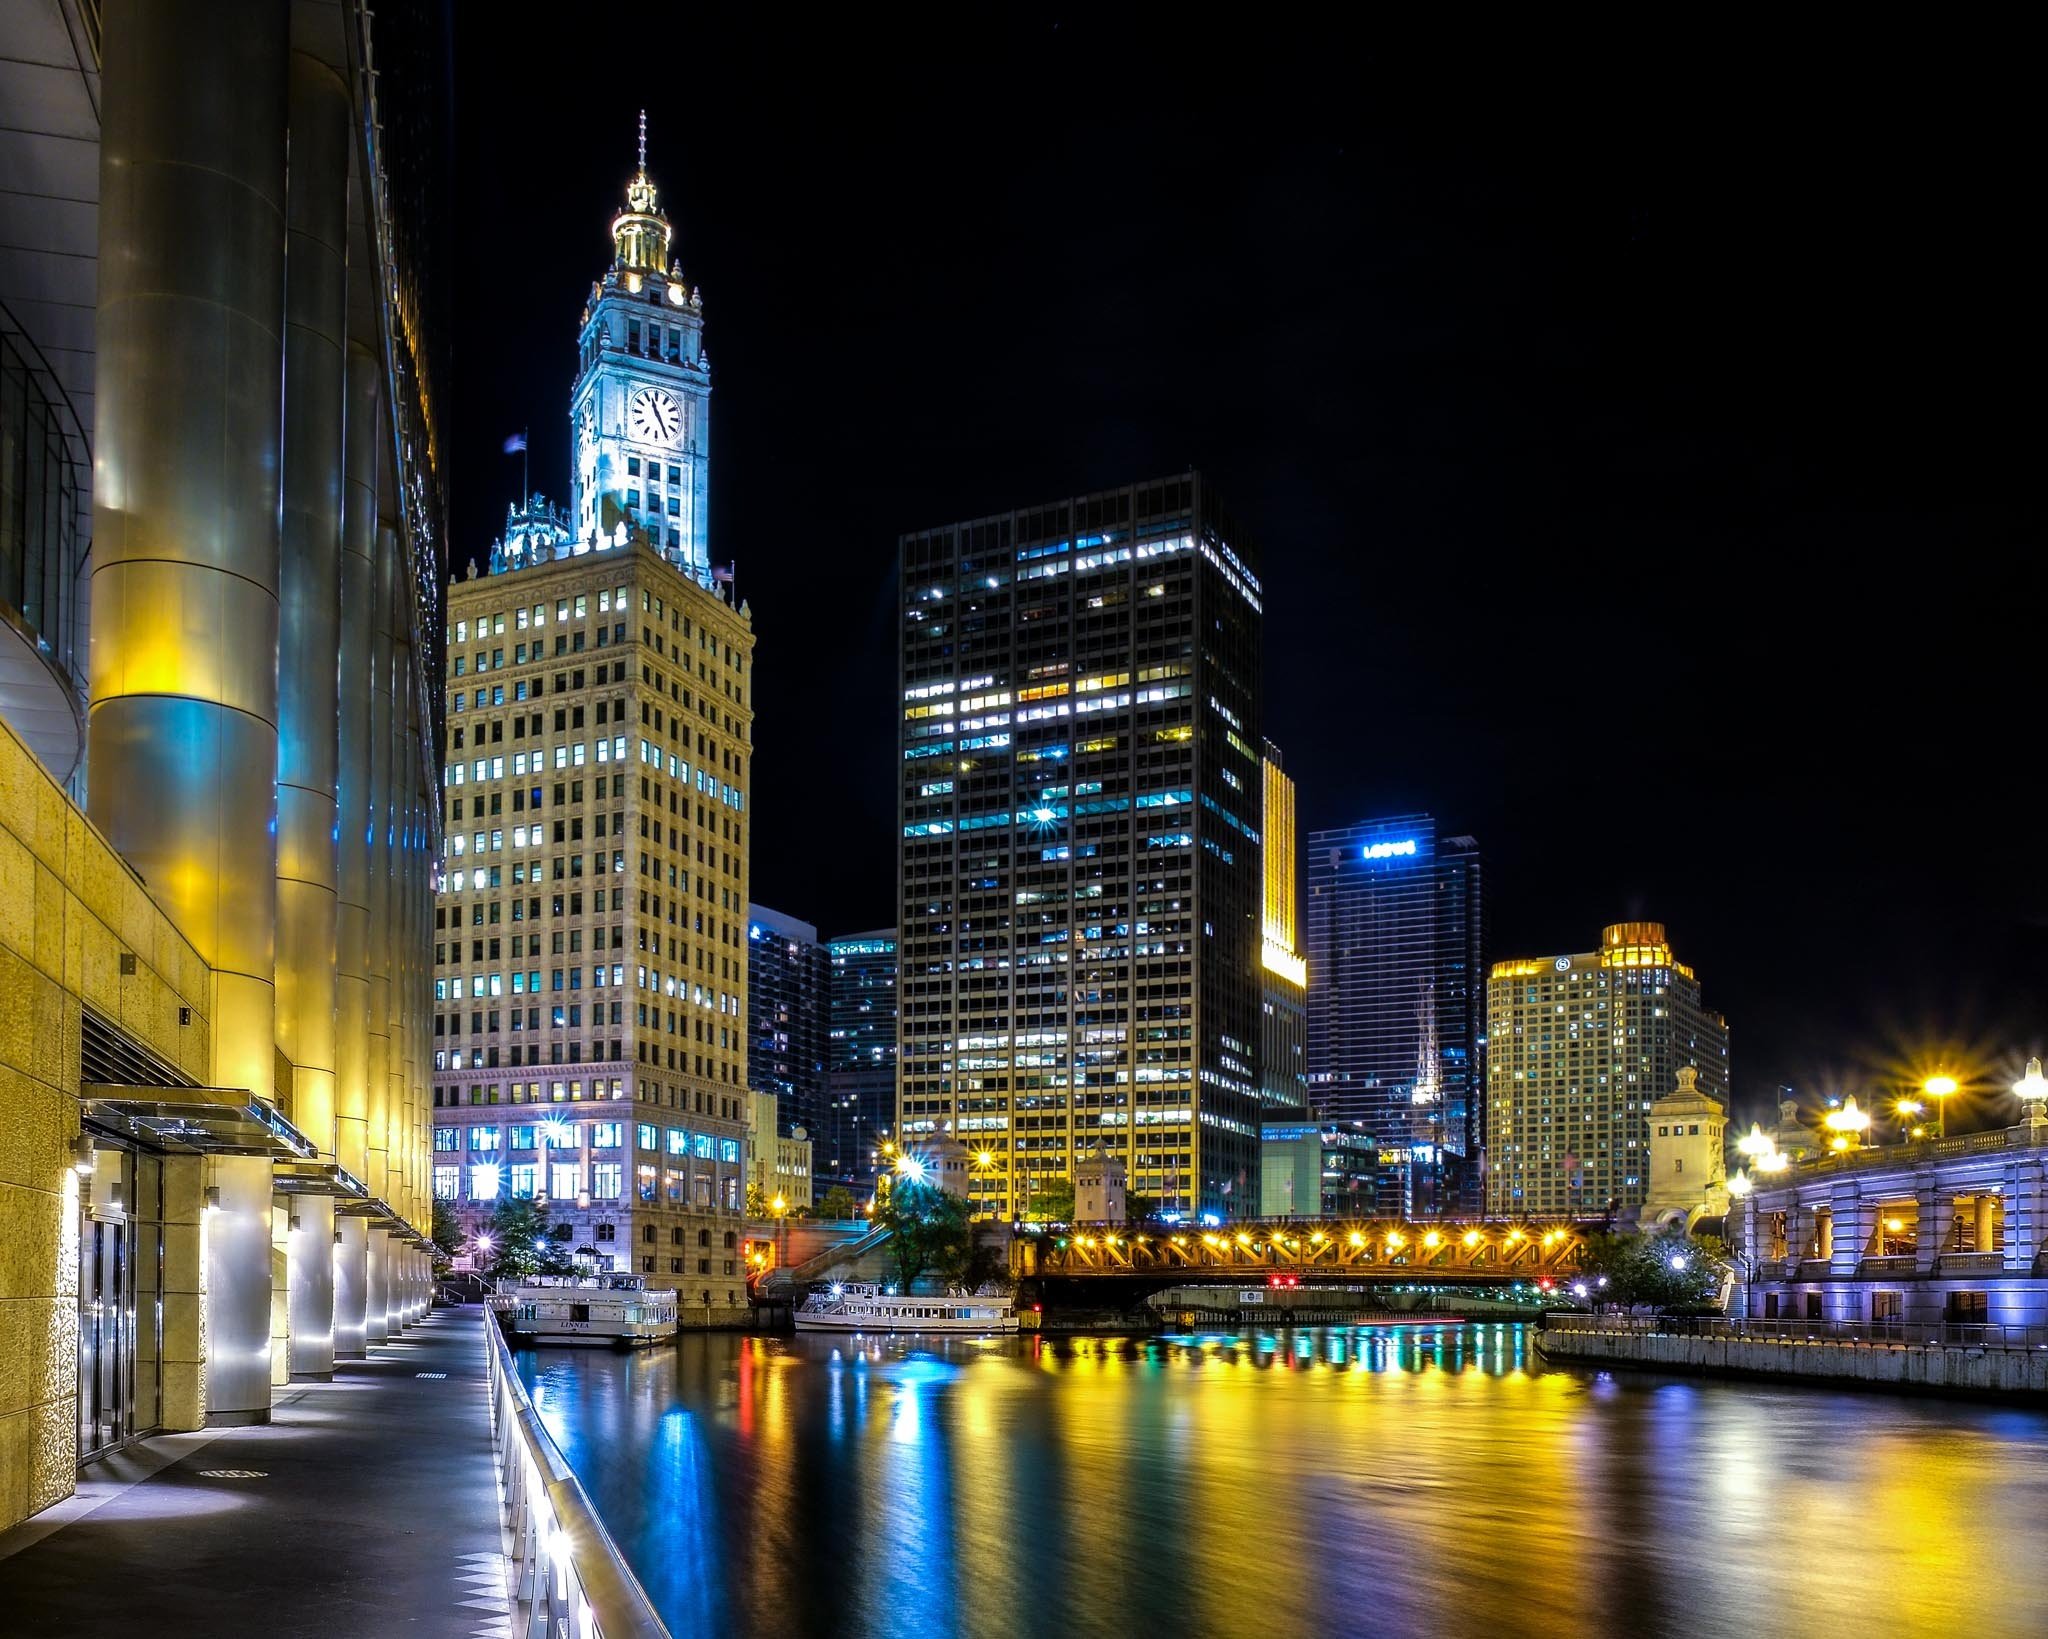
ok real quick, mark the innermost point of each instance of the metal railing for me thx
(1946, 1334)
(572, 1581)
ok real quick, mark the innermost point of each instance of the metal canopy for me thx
(195, 1120)
(316, 1178)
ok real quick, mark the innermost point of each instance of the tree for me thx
(1665, 1271)
(1139, 1209)
(757, 1202)
(523, 1241)
(1052, 1202)
(447, 1229)
(928, 1229)
(837, 1203)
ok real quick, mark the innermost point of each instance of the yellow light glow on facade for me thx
(1281, 951)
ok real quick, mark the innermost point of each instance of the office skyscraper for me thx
(590, 942)
(1396, 1002)
(860, 1058)
(1580, 1047)
(1080, 880)
(788, 992)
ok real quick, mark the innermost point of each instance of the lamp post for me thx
(1848, 1124)
(1941, 1089)
(2032, 1091)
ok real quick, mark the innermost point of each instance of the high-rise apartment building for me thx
(788, 993)
(860, 1059)
(219, 365)
(1283, 1031)
(1081, 886)
(590, 978)
(1579, 1048)
(1396, 1002)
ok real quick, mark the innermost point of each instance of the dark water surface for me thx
(1370, 1480)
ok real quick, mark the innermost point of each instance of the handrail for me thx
(591, 1591)
(1888, 1333)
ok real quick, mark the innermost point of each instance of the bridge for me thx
(1474, 1253)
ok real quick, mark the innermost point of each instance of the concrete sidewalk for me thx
(369, 1505)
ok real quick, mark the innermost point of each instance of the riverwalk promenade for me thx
(368, 1505)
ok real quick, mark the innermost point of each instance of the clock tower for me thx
(639, 417)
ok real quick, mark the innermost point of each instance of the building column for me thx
(237, 1229)
(1986, 1222)
(308, 671)
(378, 1171)
(351, 1286)
(188, 370)
(379, 1289)
(311, 1256)
(183, 1355)
(352, 939)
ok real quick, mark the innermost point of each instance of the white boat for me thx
(615, 1309)
(853, 1307)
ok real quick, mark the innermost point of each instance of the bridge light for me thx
(1471, 1237)
(1432, 1240)
(1243, 1239)
(1513, 1236)
(1395, 1240)
(1355, 1238)
(1318, 1237)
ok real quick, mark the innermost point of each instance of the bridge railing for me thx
(572, 1579)
(1961, 1334)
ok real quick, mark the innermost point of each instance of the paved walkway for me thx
(368, 1506)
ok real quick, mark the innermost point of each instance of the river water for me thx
(1427, 1480)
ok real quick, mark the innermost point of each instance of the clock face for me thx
(654, 417)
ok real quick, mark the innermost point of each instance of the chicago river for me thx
(1356, 1480)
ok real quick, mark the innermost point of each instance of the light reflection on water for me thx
(1363, 1480)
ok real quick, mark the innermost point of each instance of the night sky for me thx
(1632, 436)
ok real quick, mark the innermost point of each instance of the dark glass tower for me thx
(860, 1058)
(1397, 999)
(788, 983)
(1080, 870)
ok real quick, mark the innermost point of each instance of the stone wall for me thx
(1954, 1370)
(69, 911)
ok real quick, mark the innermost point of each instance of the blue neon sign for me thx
(1388, 850)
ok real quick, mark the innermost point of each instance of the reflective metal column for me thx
(315, 375)
(352, 954)
(377, 1162)
(189, 362)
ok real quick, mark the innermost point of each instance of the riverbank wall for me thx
(2001, 1373)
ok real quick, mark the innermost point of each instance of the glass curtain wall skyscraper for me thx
(1396, 1018)
(860, 1058)
(788, 990)
(1081, 846)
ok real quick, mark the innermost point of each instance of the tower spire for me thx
(643, 142)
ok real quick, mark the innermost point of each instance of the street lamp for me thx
(2032, 1090)
(1941, 1089)
(1848, 1124)
(1740, 1185)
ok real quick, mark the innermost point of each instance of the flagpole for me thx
(525, 456)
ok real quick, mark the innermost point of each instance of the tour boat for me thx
(615, 1309)
(857, 1308)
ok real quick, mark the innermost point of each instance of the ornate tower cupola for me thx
(640, 233)
(640, 412)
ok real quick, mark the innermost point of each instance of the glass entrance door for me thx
(106, 1333)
